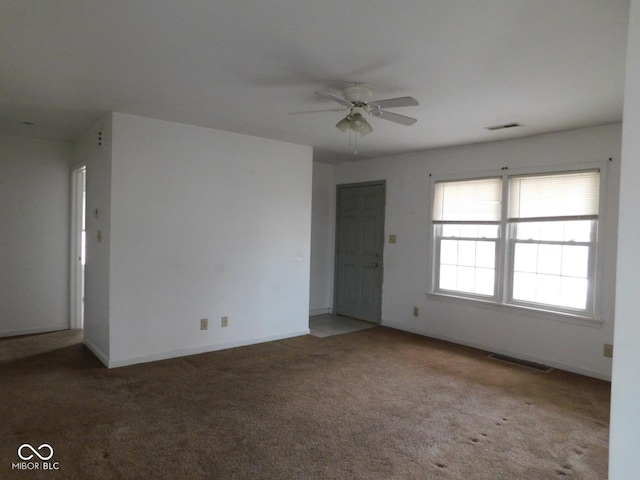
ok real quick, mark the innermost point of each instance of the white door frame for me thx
(76, 290)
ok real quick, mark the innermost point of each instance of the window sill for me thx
(519, 310)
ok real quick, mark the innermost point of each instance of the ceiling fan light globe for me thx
(360, 125)
(344, 124)
(357, 122)
(366, 128)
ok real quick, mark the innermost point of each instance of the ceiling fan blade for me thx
(394, 117)
(335, 98)
(395, 102)
(318, 111)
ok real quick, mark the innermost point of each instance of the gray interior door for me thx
(360, 238)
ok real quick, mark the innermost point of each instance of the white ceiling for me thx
(242, 65)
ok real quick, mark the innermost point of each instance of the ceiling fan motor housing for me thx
(357, 93)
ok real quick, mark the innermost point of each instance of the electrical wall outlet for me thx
(225, 322)
(416, 311)
(204, 324)
(608, 350)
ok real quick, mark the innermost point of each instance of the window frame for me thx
(438, 247)
(592, 244)
(505, 249)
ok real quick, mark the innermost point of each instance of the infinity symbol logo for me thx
(29, 456)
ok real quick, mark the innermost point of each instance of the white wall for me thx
(624, 461)
(34, 235)
(322, 239)
(93, 149)
(564, 345)
(204, 224)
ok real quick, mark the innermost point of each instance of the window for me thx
(467, 219)
(526, 240)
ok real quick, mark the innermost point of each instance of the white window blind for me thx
(548, 197)
(468, 201)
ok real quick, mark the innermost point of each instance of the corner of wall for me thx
(94, 149)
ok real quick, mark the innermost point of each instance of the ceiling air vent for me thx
(502, 127)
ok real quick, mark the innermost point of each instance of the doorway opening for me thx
(78, 244)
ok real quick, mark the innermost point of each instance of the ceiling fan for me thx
(356, 100)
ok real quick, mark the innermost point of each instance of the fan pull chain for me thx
(353, 140)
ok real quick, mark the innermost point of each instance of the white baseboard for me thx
(97, 352)
(320, 311)
(33, 330)
(530, 358)
(183, 352)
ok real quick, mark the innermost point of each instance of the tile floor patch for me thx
(328, 325)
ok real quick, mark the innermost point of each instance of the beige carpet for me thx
(374, 404)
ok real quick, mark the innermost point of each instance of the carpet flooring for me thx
(373, 404)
